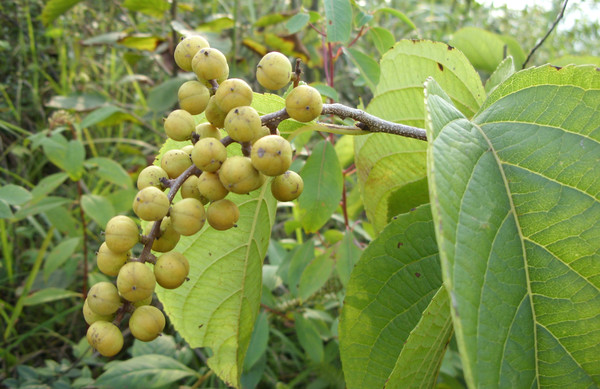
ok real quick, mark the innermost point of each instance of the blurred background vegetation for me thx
(84, 87)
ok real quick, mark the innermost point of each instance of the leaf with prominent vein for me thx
(390, 288)
(391, 169)
(486, 49)
(421, 357)
(323, 181)
(516, 197)
(146, 371)
(218, 306)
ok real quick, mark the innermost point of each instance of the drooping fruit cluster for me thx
(204, 173)
(135, 281)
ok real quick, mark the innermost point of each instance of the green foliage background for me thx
(84, 88)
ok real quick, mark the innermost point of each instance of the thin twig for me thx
(367, 122)
(541, 41)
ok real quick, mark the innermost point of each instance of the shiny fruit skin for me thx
(103, 298)
(90, 316)
(167, 238)
(109, 262)
(171, 270)
(271, 155)
(187, 216)
(232, 93)
(243, 124)
(135, 281)
(239, 176)
(105, 337)
(222, 214)
(287, 187)
(193, 97)
(186, 49)
(209, 154)
(207, 130)
(175, 162)
(151, 204)
(121, 234)
(304, 103)
(146, 323)
(214, 114)
(211, 187)
(151, 176)
(179, 125)
(210, 64)
(274, 71)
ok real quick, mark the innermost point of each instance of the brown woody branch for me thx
(366, 121)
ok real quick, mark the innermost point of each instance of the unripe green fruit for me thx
(188, 150)
(179, 125)
(91, 316)
(174, 162)
(207, 130)
(193, 97)
(210, 64)
(304, 103)
(146, 301)
(189, 189)
(146, 323)
(209, 154)
(151, 204)
(271, 155)
(187, 216)
(171, 270)
(186, 49)
(105, 337)
(110, 262)
(211, 187)
(232, 93)
(167, 238)
(243, 124)
(214, 114)
(287, 187)
(103, 298)
(150, 176)
(239, 176)
(274, 71)
(121, 234)
(264, 131)
(222, 214)
(135, 281)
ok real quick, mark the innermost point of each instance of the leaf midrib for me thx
(521, 240)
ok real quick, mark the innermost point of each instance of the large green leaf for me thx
(218, 306)
(110, 171)
(338, 14)
(392, 169)
(516, 197)
(55, 8)
(154, 8)
(404, 69)
(485, 49)
(145, 371)
(366, 65)
(323, 182)
(389, 289)
(67, 155)
(505, 69)
(421, 357)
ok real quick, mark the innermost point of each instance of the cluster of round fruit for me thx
(204, 174)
